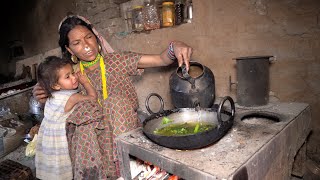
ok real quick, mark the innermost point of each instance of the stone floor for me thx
(18, 155)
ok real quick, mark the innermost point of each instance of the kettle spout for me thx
(196, 105)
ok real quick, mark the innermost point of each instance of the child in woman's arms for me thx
(60, 82)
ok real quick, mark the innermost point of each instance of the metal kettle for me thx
(193, 88)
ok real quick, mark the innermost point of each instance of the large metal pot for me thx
(217, 116)
(193, 88)
(253, 80)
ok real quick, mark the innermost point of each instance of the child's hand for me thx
(82, 78)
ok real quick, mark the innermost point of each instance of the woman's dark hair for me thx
(66, 26)
(48, 72)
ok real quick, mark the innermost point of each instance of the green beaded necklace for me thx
(87, 64)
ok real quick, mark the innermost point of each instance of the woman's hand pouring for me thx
(176, 51)
(182, 52)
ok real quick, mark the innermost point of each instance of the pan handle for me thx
(220, 108)
(147, 103)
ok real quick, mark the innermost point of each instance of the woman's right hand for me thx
(39, 93)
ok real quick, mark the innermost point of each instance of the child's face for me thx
(67, 79)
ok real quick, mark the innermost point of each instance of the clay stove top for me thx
(255, 150)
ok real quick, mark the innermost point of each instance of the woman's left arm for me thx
(177, 51)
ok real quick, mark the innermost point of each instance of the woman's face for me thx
(83, 43)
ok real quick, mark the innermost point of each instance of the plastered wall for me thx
(220, 31)
(223, 30)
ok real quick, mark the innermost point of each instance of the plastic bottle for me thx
(151, 18)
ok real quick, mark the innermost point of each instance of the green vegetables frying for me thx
(166, 120)
(181, 129)
(196, 129)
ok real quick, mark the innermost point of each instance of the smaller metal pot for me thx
(221, 119)
(36, 109)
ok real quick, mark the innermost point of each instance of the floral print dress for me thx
(92, 129)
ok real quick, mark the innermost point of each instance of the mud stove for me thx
(262, 144)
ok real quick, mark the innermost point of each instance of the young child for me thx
(60, 82)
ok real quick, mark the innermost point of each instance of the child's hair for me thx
(48, 72)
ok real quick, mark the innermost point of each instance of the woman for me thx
(109, 73)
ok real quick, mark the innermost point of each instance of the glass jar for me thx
(167, 14)
(179, 11)
(137, 19)
(151, 18)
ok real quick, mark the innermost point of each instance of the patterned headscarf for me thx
(105, 46)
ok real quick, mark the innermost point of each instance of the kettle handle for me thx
(220, 108)
(187, 76)
(147, 103)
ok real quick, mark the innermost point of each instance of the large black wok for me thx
(222, 119)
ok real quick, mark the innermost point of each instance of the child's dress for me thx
(52, 156)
